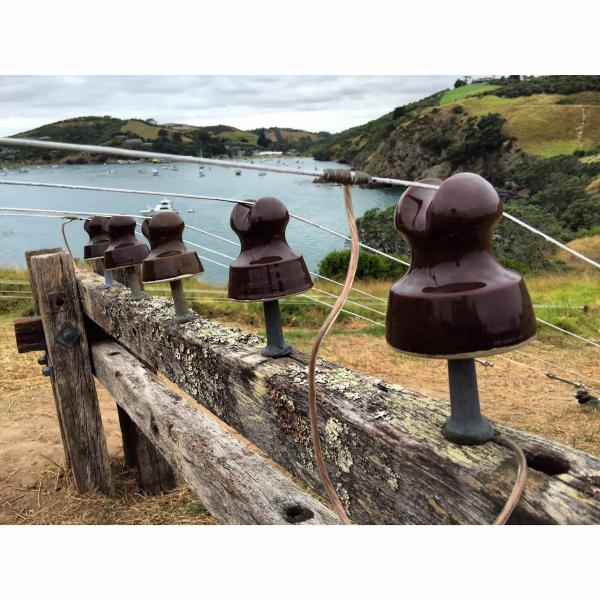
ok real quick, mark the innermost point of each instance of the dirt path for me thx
(581, 127)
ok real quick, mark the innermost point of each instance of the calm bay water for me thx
(321, 203)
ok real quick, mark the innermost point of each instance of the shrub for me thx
(376, 229)
(370, 266)
(458, 109)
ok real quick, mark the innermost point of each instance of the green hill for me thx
(543, 117)
(175, 138)
(537, 138)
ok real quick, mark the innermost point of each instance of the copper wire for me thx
(325, 327)
(519, 485)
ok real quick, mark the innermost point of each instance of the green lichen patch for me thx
(336, 434)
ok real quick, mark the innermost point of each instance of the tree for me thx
(582, 214)
(514, 244)
(376, 229)
(559, 194)
(262, 140)
(459, 83)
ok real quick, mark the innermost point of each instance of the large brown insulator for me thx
(124, 250)
(267, 268)
(456, 300)
(98, 235)
(169, 258)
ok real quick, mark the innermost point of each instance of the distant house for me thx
(482, 80)
(270, 153)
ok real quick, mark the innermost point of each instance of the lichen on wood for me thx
(383, 443)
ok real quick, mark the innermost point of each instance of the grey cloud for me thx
(309, 102)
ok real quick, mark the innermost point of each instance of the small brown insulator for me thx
(267, 268)
(98, 235)
(124, 250)
(169, 258)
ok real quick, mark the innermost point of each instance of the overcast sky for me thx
(314, 103)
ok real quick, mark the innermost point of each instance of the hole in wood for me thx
(59, 301)
(114, 353)
(297, 514)
(547, 463)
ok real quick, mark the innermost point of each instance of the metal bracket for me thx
(67, 336)
(47, 368)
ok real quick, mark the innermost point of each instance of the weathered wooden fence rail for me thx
(383, 444)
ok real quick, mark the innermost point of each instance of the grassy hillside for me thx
(460, 93)
(175, 138)
(542, 125)
(539, 123)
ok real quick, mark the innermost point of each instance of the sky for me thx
(313, 103)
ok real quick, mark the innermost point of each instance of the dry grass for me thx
(34, 486)
(540, 125)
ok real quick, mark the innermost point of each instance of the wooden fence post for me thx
(155, 474)
(28, 256)
(55, 291)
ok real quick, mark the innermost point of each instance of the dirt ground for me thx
(35, 489)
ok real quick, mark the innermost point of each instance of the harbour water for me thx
(322, 203)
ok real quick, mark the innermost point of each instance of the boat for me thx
(201, 174)
(141, 170)
(238, 172)
(163, 206)
(155, 172)
(262, 174)
(191, 210)
(23, 170)
(174, 168)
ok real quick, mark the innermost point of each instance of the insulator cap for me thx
(267, 268)
(456, 300)
(124, 249)
(169, 258)
(98, 238)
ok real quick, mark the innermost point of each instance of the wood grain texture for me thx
(154, 473)
(28, 256)
(55, 289)
(383, 443)
(29, 335)
(237, 485)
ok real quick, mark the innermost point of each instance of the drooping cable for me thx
(312, 364)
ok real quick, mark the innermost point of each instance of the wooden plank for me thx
(383, 443)
(154, 473)
(236, 484)
(28, 256)
(29, 334)
(55, 289)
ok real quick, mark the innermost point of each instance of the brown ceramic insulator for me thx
(267, 268)
(169, 258)
(124, 249)
(98, 238)
(456, 300)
